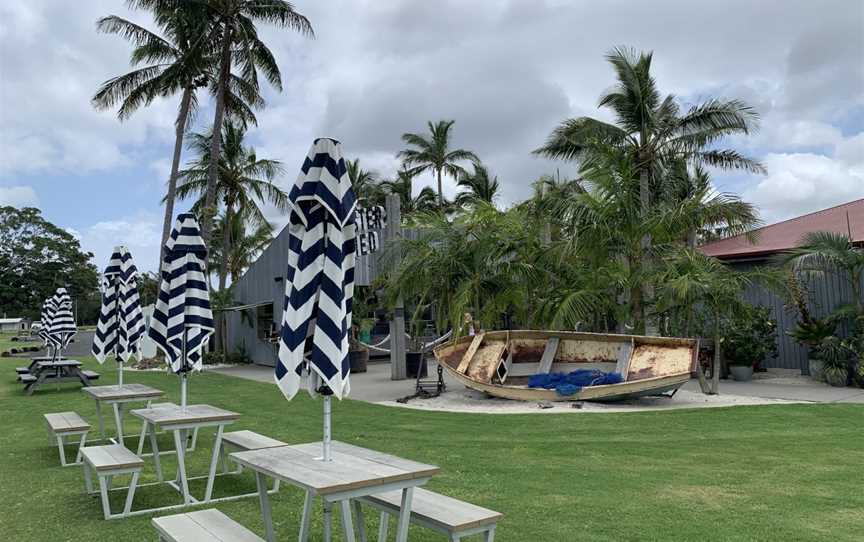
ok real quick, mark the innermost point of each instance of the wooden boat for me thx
(500, 363)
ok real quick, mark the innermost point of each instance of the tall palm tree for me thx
(365, 183)
(403, 186)
(434, 154)
(245, 183)
(238, 43)
(477, 186)
(245, 246)
(654, 132)
(177, 62)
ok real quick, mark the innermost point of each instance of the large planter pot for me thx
(836, 376)
(741, 373)
(817, 368)
(359, 359)
(415, 361)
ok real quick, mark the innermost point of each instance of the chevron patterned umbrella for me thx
(182, 320)
(45, 321)
(313, 347)
(121, 323)
(62, 326)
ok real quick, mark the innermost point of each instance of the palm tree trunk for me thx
(691, 239)
(182, 118)
(715, 371)
(216, 140)
(645, 260)
(226, 247)
(440, 191)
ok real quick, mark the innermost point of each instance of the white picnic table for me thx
(115, 397)
(180, 421)
(354, 472)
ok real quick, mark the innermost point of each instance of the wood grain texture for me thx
(250, 440)
(62, 422)
(110, 457)
(176, 415)
(126, 391)
(469, 354)
(201, 525)
(447, 513)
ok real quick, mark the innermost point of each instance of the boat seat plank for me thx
(485, 361)
(622, 365)
(549, 355)
(466, 359)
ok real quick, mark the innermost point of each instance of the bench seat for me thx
(202, 526)
(250, 440)
(106, 462)
(27, 378)
(439, 512)
(91, 375)
(22, 370)
(111, 457)
(63, 425)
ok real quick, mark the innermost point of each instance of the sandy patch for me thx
(468, 400)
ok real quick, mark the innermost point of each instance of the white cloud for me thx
(18, 196)
(141, 234)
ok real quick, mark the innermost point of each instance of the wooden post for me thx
(398, 369)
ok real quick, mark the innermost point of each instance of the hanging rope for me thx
(377, 346)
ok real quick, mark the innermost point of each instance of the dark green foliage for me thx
(36, 258)
(751, 337)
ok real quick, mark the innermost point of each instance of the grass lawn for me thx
(742, 473)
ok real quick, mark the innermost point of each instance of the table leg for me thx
(154, 445)
(101, 421)
(118, 419)
(347, 523)
(308, 502)
(181, 464)
(266, 512)
(217, 446)
(383, 525)
(361, 521)
(142, 438)
(404, 515)
(328, 520)
(130, 495)
(103, 490)
(80, 447)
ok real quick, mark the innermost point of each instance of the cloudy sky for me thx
(506, 71)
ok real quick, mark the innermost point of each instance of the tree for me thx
(476, 186)
(403, 186)
(238, 43)
(36, 258)
(245, 246)
(434, 154)
(655, 135)
(245, 183)
(365, 183)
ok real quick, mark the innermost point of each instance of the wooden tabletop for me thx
(175, 414)
(126, 391)
(60, 363)
(352, 467)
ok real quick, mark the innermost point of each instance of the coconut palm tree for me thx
(822, 253)
(654, 132)
(245, 183)
(433, 154)
(365, 183)
(245, 245)
(238, 42)
(476, 186)
(403, 186)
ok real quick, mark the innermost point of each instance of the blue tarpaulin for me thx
(571, 383)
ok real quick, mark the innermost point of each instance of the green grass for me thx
(791, 472)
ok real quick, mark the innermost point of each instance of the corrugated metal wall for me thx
(826, 293)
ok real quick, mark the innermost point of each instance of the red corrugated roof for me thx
(787, 234)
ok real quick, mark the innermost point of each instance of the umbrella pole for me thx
(327, 436)
(119, 372)
(183, 391)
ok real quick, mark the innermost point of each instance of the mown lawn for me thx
(742, 473)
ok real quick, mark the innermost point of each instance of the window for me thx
(264, 321)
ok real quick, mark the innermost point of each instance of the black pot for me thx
(358, 359)
(415, 361)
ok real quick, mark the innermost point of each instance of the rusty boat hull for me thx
(500, 362)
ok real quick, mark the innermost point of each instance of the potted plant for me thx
(835, 357)
(358, 355)
(415, 358)
(810, 333)
(752, 337)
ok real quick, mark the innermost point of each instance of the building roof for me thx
(10, 320)
(789, 233)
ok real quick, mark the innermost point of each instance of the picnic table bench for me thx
(62, 425)
(46, 372)
(202, 525)
(107, 462)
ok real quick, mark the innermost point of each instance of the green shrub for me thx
(751, 338)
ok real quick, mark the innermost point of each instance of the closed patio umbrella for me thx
(45, 324)
(313, 346)
(121, 323)
(182, 320)
(62, 327)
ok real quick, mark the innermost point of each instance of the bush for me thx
(751, 338)
(234, 358)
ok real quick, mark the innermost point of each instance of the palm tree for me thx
(245, 183)
(823, 252)
(239, 43)
(245, 246)
(174, 63)
(434, 154)
(654, 133)
(403, 186)
(477, 186)
(365, 183)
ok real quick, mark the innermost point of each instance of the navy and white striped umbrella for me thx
(121, 322)
(62, 327)
(320, 279)
(45, 321)
(182, 320)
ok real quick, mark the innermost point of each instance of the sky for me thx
(506, 71)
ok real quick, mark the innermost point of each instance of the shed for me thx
(826, 292)
(14, 325)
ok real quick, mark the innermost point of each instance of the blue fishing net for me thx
(566, 384)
